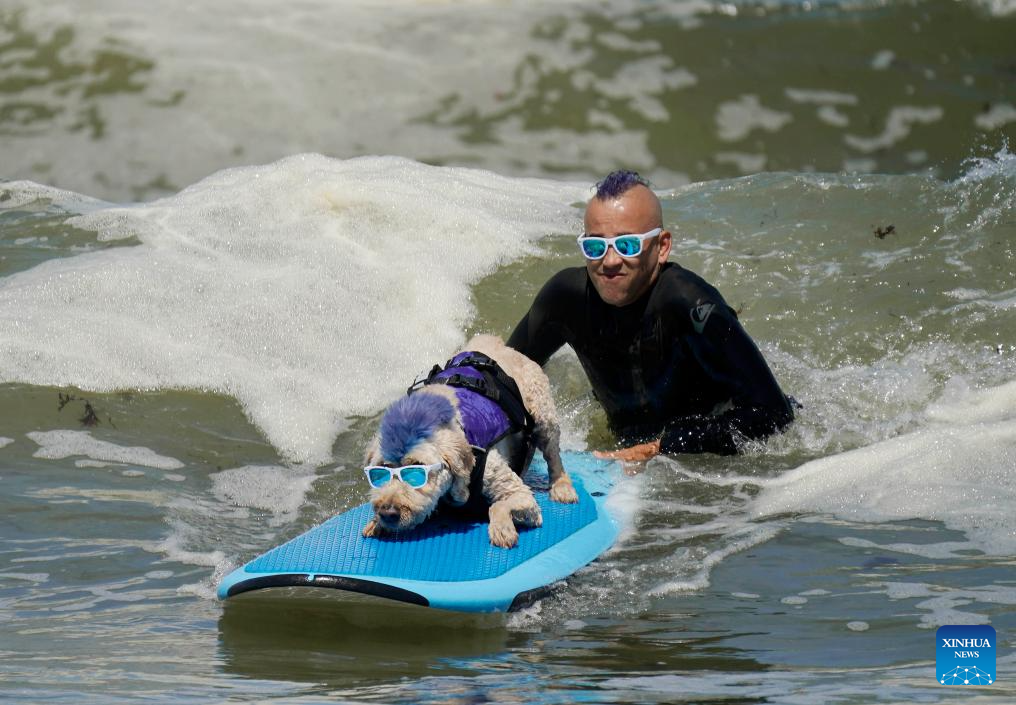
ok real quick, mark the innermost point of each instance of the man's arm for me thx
(730, 359)
(541, 331)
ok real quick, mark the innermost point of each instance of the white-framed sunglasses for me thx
(413, 475)
(630, 245)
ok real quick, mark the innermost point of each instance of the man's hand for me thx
(641, 452)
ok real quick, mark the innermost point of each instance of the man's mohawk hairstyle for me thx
(618, 182)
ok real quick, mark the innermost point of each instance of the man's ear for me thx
(665, 242)
(372, 456)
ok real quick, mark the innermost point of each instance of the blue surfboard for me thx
(448, 562)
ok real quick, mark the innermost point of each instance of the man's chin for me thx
(613, 295)
(610, 290)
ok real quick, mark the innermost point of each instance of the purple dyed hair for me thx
(618, 182)
(410, 420)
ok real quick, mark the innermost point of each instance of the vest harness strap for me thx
(494, 384)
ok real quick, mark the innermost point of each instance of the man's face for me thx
(622, 280)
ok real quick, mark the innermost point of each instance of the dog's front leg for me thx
(548, 440)
(511, 502)
(373, 529)
(506, 513)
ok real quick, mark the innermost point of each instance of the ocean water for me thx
(232, 233)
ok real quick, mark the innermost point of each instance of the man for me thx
(665, 354)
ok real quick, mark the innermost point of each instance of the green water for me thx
(130, 103)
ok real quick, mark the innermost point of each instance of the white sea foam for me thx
(942, 602)
(80, 495)
(642, 82)
(4, 441)
(311, 290)
(998, 8)
(883, 60)
(25, 577)
(998, 115)
(19, 194)
(277, 489)
(94, 464)
(799, 95)
(55, 445)
(897, 127)
(962, 405)
(738, 539)
(159, 574)
(206, 589)
(964, 294)
(624, 502)
(831, 116)
(957, 470)
(173, 547)
(736, 119)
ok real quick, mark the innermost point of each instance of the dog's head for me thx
(423, 428)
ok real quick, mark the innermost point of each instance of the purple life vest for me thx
(483, 420)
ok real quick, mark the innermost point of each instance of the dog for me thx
(426, 428)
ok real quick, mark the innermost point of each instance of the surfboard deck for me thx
(448, 562)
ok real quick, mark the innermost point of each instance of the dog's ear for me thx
(372, 456)
(457, 454)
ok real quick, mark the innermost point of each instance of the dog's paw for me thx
(503, 535)
(373, 529)
(563, 491)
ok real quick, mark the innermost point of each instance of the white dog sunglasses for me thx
(413, 475)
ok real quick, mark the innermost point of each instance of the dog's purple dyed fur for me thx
(410, 420)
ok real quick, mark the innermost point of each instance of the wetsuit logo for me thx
(965, 655)
(699, 316)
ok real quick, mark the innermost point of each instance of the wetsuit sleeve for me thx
(730, 359)
(542, 331)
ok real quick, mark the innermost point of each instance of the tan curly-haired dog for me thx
(426, 428)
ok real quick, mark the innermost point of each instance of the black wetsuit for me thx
(674, 365)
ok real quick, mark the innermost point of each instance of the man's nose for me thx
(612, 259)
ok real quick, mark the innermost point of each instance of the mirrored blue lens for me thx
(379, 476)
(628, 246)
(594, 248)
(414, 476)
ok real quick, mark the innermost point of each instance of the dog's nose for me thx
(389, 514)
